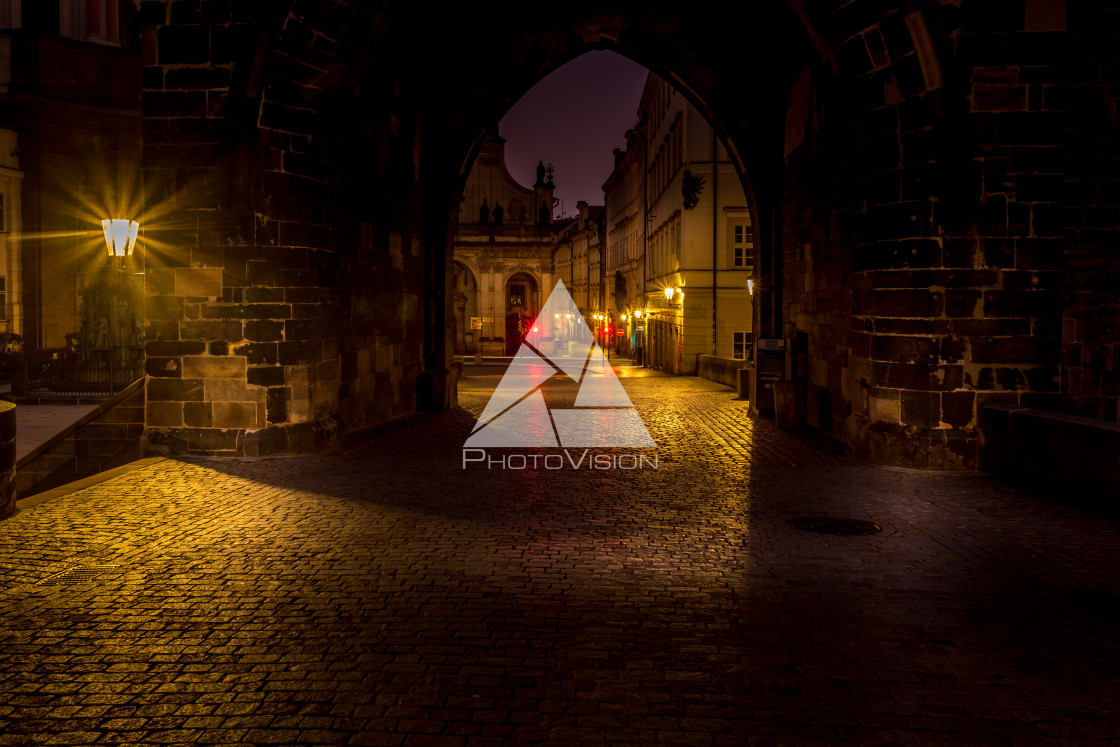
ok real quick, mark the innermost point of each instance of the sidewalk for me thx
(36, 424)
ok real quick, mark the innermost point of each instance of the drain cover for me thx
(833, 525)
(82, 574)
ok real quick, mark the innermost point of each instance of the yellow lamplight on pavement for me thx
(120, 236)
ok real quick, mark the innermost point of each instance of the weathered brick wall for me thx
(949, 226)
(285, 289)
(869, 150)
(1044, 82)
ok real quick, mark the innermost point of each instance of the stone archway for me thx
(920, 246)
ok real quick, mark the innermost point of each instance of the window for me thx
(516, 295)
(3, 298)
(89, 20)
(741, 346)
(9, 14)
(3, 215)
(742, 245)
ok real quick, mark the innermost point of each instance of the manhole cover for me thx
(82, 574)
(833, 525)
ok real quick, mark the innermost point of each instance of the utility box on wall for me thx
(769, 368)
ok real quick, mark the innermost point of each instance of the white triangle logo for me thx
(517, 416)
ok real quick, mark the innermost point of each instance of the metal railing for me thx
(64, 374)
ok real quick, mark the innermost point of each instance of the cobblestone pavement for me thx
(383, 594)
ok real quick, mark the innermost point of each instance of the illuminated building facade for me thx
(502, 270)
(70, 86)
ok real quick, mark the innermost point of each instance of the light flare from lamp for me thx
(120, 236)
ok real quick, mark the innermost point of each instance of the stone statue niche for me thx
(112, 320)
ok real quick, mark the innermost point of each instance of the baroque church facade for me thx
(502, 255)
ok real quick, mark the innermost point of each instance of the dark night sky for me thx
(573, 119)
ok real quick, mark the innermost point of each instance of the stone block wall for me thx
(1077, 458)
(106, 438)
(285, 285)
(950, 231)
(720, 370)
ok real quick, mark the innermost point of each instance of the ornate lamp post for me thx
(116, 323)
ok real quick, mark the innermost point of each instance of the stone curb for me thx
(72, 487)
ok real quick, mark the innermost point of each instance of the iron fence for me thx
(64, 374)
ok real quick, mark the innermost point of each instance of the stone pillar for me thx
(236, 345)
(7, 459)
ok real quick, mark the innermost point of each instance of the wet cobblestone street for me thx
(385, 594)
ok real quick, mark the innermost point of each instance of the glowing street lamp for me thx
(120, 236)
(669, 294)
(117, 323)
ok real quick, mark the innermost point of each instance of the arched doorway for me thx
(522, 304)
(468, 322)
(673, 213)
